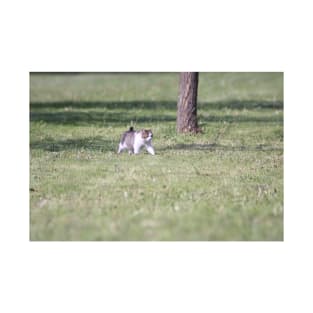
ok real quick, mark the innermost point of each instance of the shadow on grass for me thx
(78, 113)
(100, 145)
(111, 105)
(96, 117)
(153, 105)
(88, 143)
(216, 147)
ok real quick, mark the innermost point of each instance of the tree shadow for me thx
(87, 143)
(217, 147)
(110, 105)
(153, 105)
(100, 145)
(241, 105)
(240, 119)
(95, 117)
(78, 113)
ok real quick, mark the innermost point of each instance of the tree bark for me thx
(187, 103)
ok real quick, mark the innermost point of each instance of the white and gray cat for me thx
(133, 141)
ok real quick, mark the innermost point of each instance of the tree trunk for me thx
(187, 103)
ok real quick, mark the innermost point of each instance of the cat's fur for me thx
(133, 141)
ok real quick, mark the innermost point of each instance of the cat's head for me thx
(146, 134)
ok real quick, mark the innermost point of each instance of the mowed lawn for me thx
(223, 184)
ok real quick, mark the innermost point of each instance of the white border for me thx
(154, 36)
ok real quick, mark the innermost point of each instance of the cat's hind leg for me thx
(120, 148)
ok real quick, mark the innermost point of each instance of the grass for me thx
(224, 184)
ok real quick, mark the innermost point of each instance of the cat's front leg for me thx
(136, 148)
(150, 149)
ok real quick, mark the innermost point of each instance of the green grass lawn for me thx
(223, 184)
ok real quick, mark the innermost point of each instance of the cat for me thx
(133, 141)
